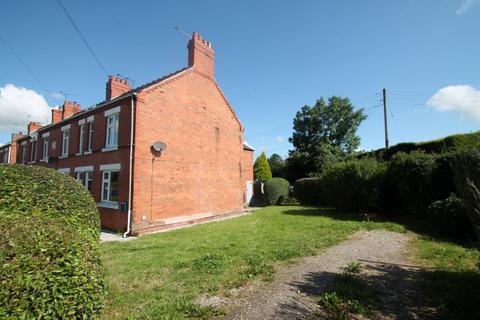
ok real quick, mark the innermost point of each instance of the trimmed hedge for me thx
(453, 143)
(276, 189)
(354, 184)
(51, 266)
(308, 191)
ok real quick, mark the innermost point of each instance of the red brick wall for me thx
(200, 170)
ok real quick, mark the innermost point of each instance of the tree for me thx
(323, 134)
(261, 169)
(277, 165)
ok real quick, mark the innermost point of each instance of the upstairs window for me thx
(65, 142)
(33, 150)
(80, 140)
(45, 149)
(90, 136)
(112, 132)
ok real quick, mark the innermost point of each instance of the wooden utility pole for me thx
(385, 116)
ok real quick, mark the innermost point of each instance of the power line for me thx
(24, 64)
(83, 38)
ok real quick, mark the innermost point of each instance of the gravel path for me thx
(293, 292)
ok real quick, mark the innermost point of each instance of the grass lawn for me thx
(159, 276)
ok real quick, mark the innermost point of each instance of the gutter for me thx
(130, 174)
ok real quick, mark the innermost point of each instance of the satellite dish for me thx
(158, 147)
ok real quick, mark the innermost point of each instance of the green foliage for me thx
(277, 165)
(210, 263)
(354, 184)
(49, 255)
(453, 143)
(450, 217)
(261, 168)
(467, 180)
(352, 268)
(308, 191)
(411, 183)
(276, 189)
(325, 133)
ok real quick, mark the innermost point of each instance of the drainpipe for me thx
(130, 174)
(9, 154)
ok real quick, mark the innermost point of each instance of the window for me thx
(33, 150)
(90, 135)
(86, 179)
(45, 149)
(110, 186)
(65, 142)
(24, 153)
(80, 140)
(112, 132)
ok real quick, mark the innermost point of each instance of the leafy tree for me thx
(323, 134)
(277, 165)
(261, 168)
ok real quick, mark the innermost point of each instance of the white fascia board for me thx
(112, 111)
(108, 167)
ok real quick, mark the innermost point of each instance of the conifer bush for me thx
(261, 168)
(49, 254)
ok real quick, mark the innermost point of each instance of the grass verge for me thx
(453, 277)
(159, 276)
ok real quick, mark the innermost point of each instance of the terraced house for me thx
(169, 152)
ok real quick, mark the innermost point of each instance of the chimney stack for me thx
(56, 115)
(33, 126)
(201, 55)
(116, 86)
(70, 108)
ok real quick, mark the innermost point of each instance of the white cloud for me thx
(279, 139)
(463, 99)
(466, 5)
(19, 105)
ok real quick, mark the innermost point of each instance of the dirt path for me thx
(293, 292)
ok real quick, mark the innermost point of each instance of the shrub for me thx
(276, 189)
(450, 217)
(354, 184)
(467, 181)
(261, 168)
(410, 182)
(50, 259)
(308, 191)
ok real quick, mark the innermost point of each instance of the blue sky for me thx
(272, 57)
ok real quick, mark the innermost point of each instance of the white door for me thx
(249, 191)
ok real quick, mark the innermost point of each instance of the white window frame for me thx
(90, 136)
(33, 150)
(81, 132)
(106, 182)
(86, 171)
(24, 152)
(112, 132)
(65, 142)
(45, 148)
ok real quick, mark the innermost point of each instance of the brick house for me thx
(169, 152)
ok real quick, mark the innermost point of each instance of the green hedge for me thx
(51, 266)
(467, 181)
(453, 143)
(276, 189)
(450, 217)
(354, 184)
(308, 191)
